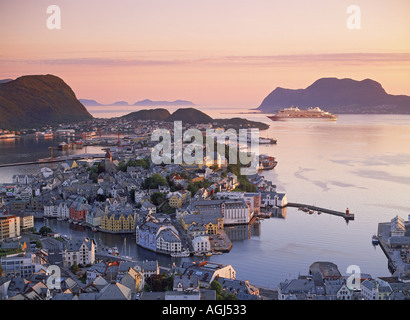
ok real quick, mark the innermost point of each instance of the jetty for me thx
(346, 215)
(56, 160)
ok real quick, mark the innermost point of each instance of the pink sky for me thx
(225, 52)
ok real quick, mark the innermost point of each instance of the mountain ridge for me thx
(338, 96)
(142, 103)
(37, 100)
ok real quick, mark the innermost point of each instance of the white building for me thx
(235, 211)
(201, 244)
(157, 236)
(79, 252)
(9, 227)
(20, 265)
(375, 289)
(397, 227)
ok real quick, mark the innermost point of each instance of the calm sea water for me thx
(360, 162)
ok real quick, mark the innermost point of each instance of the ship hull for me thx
(276, 118)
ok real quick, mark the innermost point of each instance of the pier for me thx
(346, 215)
(84, 156)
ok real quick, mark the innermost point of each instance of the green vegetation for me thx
(195, 186)
(159, 283)
(157, 198)
(154, 181)
(145, 163)
(95, 170)
(44, 230)
(221, 294)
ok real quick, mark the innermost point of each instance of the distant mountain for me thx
(36, 100)
(176, 103)
(189, 115)
(90, 103)
(120, 103)
(94, 103)
(152, 114)
(5, 80)
(339, 96)
(142, 103)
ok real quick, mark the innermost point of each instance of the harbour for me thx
(282, 246)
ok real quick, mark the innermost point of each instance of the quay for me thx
(84, 156)
(346, 215)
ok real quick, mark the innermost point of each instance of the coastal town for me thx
(177, 210)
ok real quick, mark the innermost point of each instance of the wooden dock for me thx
(346, 215)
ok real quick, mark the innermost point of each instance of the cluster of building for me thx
(325, 282)
(41, 275)
(118, 201)
(394, 239)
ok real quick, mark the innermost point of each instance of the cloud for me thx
(246, 60)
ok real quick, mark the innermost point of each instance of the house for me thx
(94, 216)
(133, 280)
(115, 291)
(140, 195)
(273, 199)
(242, 289)
(301, 288)
(158, 237)
(207, 271)
(195, 230)
(177, 180)
(178, 198)
(397, 227)
(375, 289)
(148, 206)
(19, 265)
(184, 282)
(234, 211)
(211, 221)
(201, 244)
(78, 211)
(118, 220)
(253, 199)
(80, 252)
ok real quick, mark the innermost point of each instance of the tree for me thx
(154, 181)
(157, 198)
(221, 294)
(44, 230)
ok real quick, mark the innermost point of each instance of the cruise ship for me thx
(296, 113)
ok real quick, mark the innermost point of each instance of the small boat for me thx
(208, 254)
(305, 209)
(113, 251)
(94, 229)
(319, 212)
(311, 212)
(375, 240)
